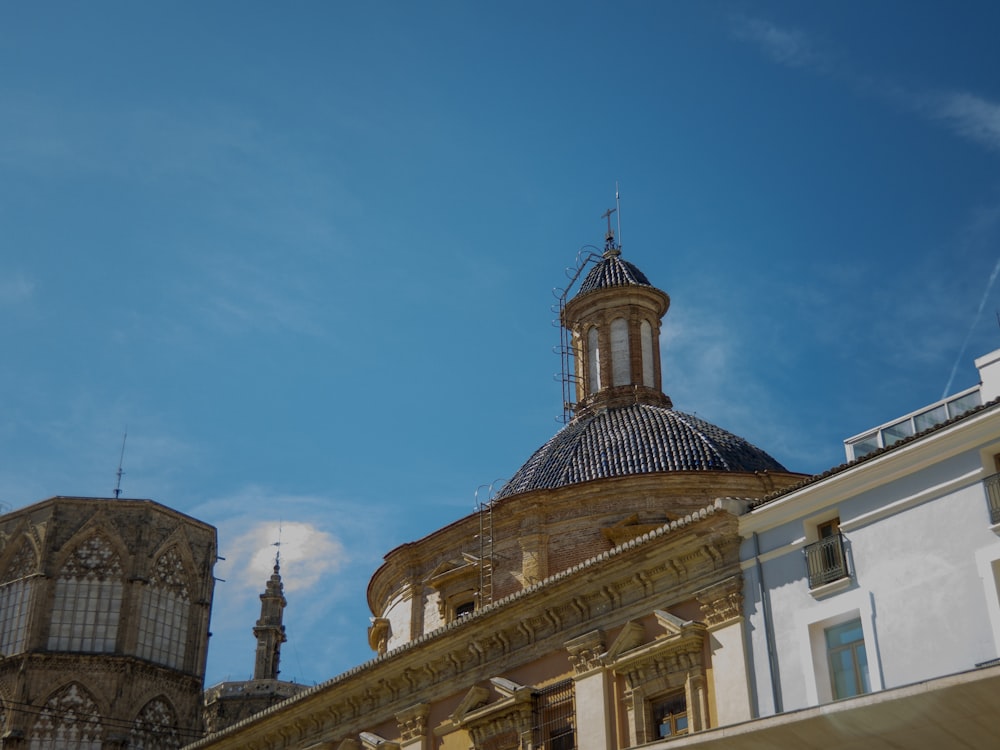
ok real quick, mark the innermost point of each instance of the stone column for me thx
(722, 608)
(594, 701)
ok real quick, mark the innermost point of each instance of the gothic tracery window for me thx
(69, 719)
(88, 599)
(163, 621)
(16, 587)
(155, 728)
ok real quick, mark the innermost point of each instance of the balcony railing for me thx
(992, 485)
(825, 560)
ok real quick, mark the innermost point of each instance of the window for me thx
(828, 528)
(88, 599)
(845, 649)
(646, 339)
(621, 367)
(15, 600)
(68, 720)
(163, 618)
(670, 717)
(593, 361)
(465, 609)
(554, 716)
(155, 728)
(825, 559)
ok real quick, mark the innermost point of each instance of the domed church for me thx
(593, 601)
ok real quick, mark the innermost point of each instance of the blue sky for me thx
(305, 253)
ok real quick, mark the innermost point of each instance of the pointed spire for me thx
(269, 630)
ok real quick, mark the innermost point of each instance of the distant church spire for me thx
(269, 630)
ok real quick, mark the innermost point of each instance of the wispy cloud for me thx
(785, 46)
(15, 289)
(967, 115)
(971, 117)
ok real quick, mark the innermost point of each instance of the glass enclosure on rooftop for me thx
(918, 421)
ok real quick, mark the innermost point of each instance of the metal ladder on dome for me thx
(485, 510)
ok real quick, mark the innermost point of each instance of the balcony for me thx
(992, 487)
(825, 560)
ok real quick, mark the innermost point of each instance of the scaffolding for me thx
(567, 352)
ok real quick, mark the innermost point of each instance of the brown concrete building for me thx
(594, 602)
(104, 613)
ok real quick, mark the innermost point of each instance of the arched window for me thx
(163, 617)
(15, 599)
(621, 371)
(69, 719)
(593, 361)
(88, 599)
(155, 728)
(646, 337)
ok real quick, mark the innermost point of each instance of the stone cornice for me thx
(621, 495)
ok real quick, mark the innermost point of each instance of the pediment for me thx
(632, 636)
(475, 698)
(457, 568)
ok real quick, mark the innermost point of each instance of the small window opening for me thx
(670, 716)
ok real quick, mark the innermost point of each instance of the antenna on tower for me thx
(618, 208)
(121, 460)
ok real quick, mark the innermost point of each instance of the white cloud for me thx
(15, 289)
(971, 117)
(307, 554)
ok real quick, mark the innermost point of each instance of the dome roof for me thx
(632, 440)
(612, 271)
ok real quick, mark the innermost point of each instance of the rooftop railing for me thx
(918, 421)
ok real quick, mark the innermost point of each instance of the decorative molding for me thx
(378, 634)
(721, 602)
(413, 722)
(586, 651)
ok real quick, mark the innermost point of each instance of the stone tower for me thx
(104, 610)
(269, 630)
(230, 702)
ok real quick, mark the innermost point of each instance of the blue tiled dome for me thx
(632, 440)
(612, 271)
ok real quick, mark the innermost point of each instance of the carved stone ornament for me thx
(722, 601)
(586, 651)
(378, 635)
(413, 722)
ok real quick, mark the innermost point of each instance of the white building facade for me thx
(884, 572)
